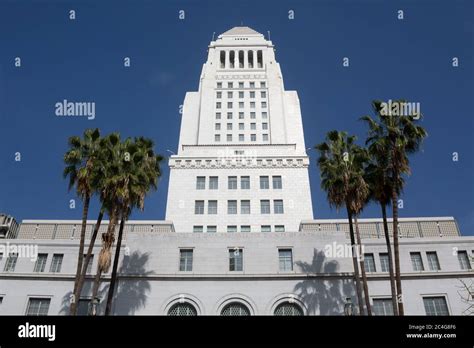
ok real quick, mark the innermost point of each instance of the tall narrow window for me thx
(417, 262)
(285, 257)
(40, 263)
(245, 182)
(264, 183)
(200, 183)
(212, 207)
(56, 263)
(232, 207)
(369, 263)
(241, 59)
(384, 262)
(464, 260)
(232, 183)
(276, 182)
(259, 59)
(245, 207)
(89, 266)
(213, 183)
(265, 206)
(236, 259)
(250, 59)
(199, 207)
(278, 206)
(222, 60)
(232, 59)
(186, 260)
(433, 261)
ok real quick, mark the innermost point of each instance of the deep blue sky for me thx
(82, 60)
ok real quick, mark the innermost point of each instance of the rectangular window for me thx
(433, 261)
(278, 206)
(56, 263)
(435, 305)
(252, 94)
(241, 105)
(253, 137)
(264, 183)
(241, 85)
(198, 207)
(213, 183)
(245, 182)
(219, 84)
(384, 262)
(219, 95)
(212, 207)
(230, 85)
(241, 115)
(241, 137)
(83, 307)
(263, 84)
(38, 306)
(279, 228)
(232, 183)
(235, 260)
(241, 94)
(266, 228)
(218, 105)
(229, 115)
(218, 115)
(417, 262)
(218, 126)
(229, 126)
(245, 228)
(265, 206)
(369, 263)
(464, 260)
(231, 229)
(245, 207)
(264, 114)
(253, 126)
(241, 126)
(40, 263)
(264, 105)
(285, 257)
(229, 105)
(200, 183)
(263, 94)
(252, 84)
(264, 126)
(229, 94)
(277, 182)
(198, 229)
(211, 229)
(232, 207)
(229, 137)
(382, 306)
(264, 137)
(10, 263)
(89, 266)
(252, 115)
(252, 105)
(217, 137)
(186, 260)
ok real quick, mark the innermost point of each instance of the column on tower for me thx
(246, 63)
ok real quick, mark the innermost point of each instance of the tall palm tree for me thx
(376, 176)
(107, 146)
(139, 175)
(400, 136)
(341, 167)
(81, 162)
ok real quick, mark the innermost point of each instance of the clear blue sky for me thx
(82, 60)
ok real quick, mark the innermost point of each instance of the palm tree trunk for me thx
(95, 289)
(390, 259)
(354, 262)
(397, 251)
(113, 278)
(362, 267)
(80, 257)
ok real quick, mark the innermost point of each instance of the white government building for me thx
(239, 236)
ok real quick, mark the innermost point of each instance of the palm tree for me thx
(341, 164)
(103, 168)
(81, 162)
(400, 136)
(139, 175)
(376, 176)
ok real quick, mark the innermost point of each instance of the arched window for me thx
(289, 309)
(182, 310)
(235, 308)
